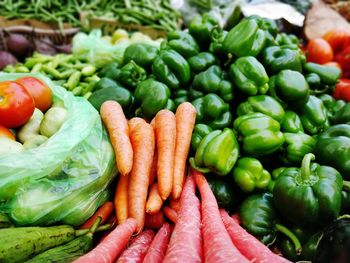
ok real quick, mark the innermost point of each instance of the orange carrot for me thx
(104, 211)
(165, 123)
(170, 213)
(112, 246)
(155, 221)
(174, 203)
(134, 121)
(121, 199)
(114, 119)
(185, 120)
(153, 175)
(143, 143)
(154, 201)
(153, 122)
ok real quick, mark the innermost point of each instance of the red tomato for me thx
(41, 93)
(338, 39)
(16, 104)
(4, 132)
(342, 90)
(343, 58)
(319, 51)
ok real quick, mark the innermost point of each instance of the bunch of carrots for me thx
(202, 233)
(151, 159)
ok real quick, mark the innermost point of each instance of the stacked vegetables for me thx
(263, 121)
(24, 102)
(333, 49)
(146, 155)
(158, 15)
(210, 235)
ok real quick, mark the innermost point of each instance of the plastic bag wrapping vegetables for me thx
(96, 50)
(66, 178)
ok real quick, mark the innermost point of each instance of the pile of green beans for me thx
(157, 14)
(75, 75)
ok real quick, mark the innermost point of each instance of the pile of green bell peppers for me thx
(268, 134)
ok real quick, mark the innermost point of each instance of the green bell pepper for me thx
(200, 28)
(332, 105)
(110, 71)
(180, 96)
(266, 24)
(345, 198)
(249, 175)
(342, 115)
(313, 80)
(277, 58)
(290, 88)
(287, 39)
(329, 75)
(314, 116)
(201, 61)
(259, 217)
(274, 176)
(217, 36)
(296, 146)
(245, 39)
(269, 26)
(217, 152)
(264, 104)
(291, 122)
(249, 75)
(107, 89)
(213, 81)
(143, 54)
(213, 111)
(309, 245)
(313, 195)
(261, 134)
(183, 43)
(171, 68)
(333, 148)
(224, 193)
(152, 96)
(131, 75)
(199, 132)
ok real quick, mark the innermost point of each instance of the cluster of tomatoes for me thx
(18, 99)
(333, 49)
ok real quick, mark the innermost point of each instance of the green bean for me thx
(53, 72)
(37, 68)
(73, 80)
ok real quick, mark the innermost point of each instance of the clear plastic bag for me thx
(96, 50)
(65, 179)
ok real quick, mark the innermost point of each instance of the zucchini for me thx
(22, 243)
(65, 253)
(70, 251)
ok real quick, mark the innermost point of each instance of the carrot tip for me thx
(177, 191)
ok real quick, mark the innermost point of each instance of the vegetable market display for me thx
(243, 114)
(156, 14)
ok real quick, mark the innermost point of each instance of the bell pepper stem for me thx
(305, 166)
(291, 236)
(346, 185)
